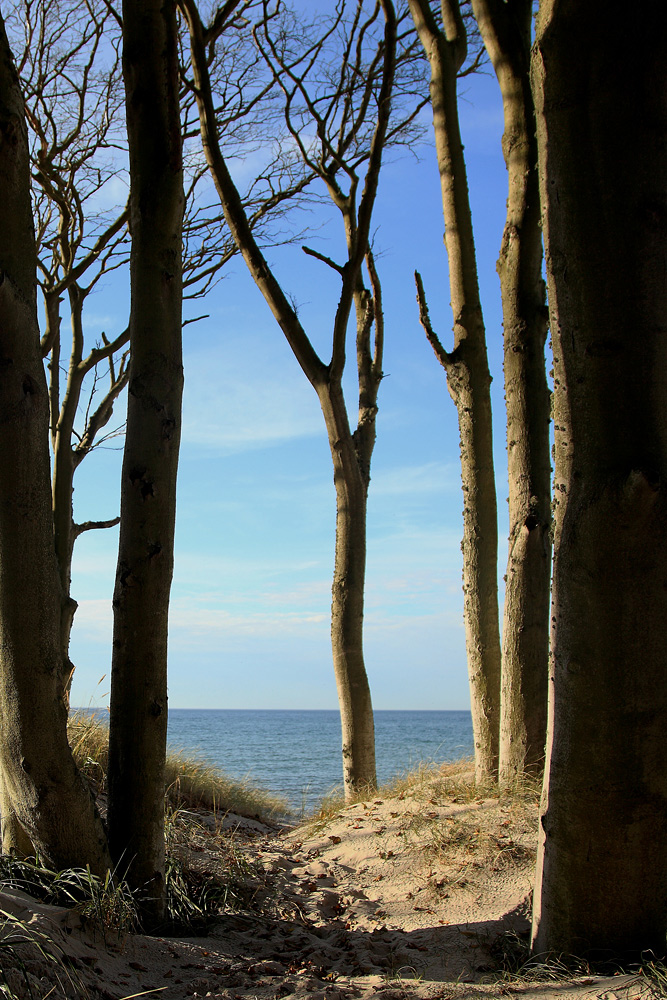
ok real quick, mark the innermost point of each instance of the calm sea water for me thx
(297, 753)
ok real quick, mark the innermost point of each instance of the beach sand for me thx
(424, 894)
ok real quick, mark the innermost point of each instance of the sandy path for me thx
(419, 895)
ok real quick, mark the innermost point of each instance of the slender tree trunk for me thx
(602, 130)
(138, 711)
(347, 600)
(63, 481)
(41, 787)
(505, 28)
(66, 458)
(468, 381)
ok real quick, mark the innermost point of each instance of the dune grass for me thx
(194, 896)
(191, 782)
(19, 943)
(453, 781)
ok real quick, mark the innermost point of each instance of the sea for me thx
(298, 753)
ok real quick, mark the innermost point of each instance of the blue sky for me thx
(249, 623)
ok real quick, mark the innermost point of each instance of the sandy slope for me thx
(417, 895)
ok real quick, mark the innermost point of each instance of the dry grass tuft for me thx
(453, 782)
(195, 783)
(471, 831)
(191, 782)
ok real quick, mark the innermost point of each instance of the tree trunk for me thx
(138, 711)
(42, 789)
(347, 600)
(468, 381)
(66, 458)
(602, 125)
(505, 29)
(63, 481)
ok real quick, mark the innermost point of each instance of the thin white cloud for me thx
(431, 477)
(189, 623)
(193, 620)
(234, 404)
(94, 620)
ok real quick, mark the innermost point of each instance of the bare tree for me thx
(506, 30)
(468, 381)
(44, 798)
(138, 707)
(70, 73)
(343, 100)
(602, 870)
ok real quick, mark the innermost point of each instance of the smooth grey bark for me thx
(44, 798)
(505, 28)
(602, 134)
(350, 451)
(468, 382)
(138, 707)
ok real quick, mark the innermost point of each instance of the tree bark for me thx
(602, 130)
(468, 381)
(138, 709)
(506, 29)
(347, 599)
(42, 790)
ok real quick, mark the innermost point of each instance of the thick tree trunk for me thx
(468, 381)
(138, 711)
(505, 28)
(41, 787)
(602, 131)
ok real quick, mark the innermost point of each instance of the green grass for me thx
(190, 781)
(105, 904)
(205, 874)
(520, 970)
(18, 943)
(195, 896)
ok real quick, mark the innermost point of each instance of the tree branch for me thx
(235, 216)
(325, 260)
(379, 315)
(446, 358)
(358, 249)
(78, 529)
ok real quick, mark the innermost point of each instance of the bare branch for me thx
(233, 207)
(378, 350)
(446, 358)
(101, 353)
(325, 260)
(100, 418)
(79, 529)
